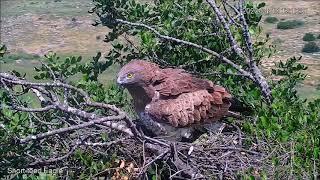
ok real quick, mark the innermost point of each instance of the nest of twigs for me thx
(65, 126)
(220, 155)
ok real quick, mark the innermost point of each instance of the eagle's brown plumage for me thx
(191, 108)
(172, 95)
(140, 86)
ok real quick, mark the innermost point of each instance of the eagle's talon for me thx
(169, 98)
(151, 126)
(162, 129)
(156, 97)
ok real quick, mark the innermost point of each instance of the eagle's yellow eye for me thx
(129, 75)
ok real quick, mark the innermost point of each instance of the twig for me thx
(146, 166)
(11, 79)
(101, 144)
(226, 27)
(176, 173)
(224, 59)
(103, 120)
(233, 148)
(255, 74)
(52, 160)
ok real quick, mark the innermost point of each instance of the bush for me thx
(318, 36)
(285, 132)
(290, 24)
(309, 37)
(86, 79)
(271, 19)
(311, 47)
(293, 122)
(8, 57)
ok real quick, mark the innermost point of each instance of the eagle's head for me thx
(136, 72)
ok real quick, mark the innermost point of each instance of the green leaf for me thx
(3, 50)
(261, 5)
(264, 121)
(154, 177)
(79, 58)
(67, 61)
(252, 31)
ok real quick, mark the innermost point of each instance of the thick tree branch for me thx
(54, 104)
(204, 49)
(255, 74)
(110, 124)
(226, 27)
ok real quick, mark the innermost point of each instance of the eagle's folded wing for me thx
(191, 108)
(172, 82)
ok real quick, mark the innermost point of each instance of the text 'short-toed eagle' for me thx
(172, 96)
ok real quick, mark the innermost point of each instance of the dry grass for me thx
(39, 34)
(40, 26)
(291, 40)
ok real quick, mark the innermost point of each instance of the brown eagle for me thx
(173, 98)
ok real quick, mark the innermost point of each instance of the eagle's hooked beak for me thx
(119, 81)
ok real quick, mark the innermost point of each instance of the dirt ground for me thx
(40, 32)
(289, 42)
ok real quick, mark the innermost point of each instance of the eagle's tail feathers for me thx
(241, 107)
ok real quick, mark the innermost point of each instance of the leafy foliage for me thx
(271, 19)
(310, 47)
(290, 24)
(288, 120)
(191, 21)
(15, 124)
(309, 37)
(292, 120)
(287, 130)
(3, 50)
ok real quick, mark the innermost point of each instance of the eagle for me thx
(172, 102)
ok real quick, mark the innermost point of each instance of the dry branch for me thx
(218, 152)
(238, 19)
(55, 104)
(202, 48)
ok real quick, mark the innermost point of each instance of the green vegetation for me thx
(271, 19)
(289, 24)
(7, 58)
(309, 37)
(310, 47)
(285, 132)
(318, 36)
(289, 122)
(83, 75)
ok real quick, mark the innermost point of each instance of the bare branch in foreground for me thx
(76, 122)
(110, 124)
(54, 104)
